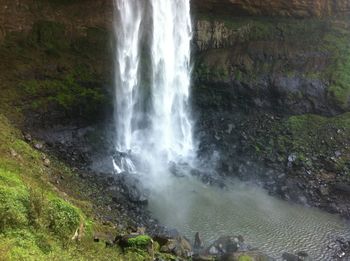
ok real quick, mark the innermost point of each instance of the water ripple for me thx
(272, 225)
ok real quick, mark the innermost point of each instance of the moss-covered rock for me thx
(54, 74)
(290, 65)
(310, 141)
(142, 241)
(49, 35)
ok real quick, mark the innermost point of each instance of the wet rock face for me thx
(286, 8)
(19, 16)
(287, 65)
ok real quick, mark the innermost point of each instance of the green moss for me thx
(142, 241)
(313, 140)
(336, 42)
(245, 258)
(68, 93)
(49, 35)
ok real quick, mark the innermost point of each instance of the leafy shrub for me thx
(13, 201)
(63, 218)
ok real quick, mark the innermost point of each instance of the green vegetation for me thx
(312, 139)
(245, 258)
(338, 43)
(37, 221)
(67, 93)
(49, 35)
(46, 72)
(50, 73)
(142, 241)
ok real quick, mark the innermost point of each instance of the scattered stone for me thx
(38, 146)
(133, 188)
(291, 159)
(230, 127)
(337, 154)
(213, 251)
(340, 254)
(324, 191)
(13, 153)
(47, 162)
(27, 137)
(304, 256)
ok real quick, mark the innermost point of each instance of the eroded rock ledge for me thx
(286, 8)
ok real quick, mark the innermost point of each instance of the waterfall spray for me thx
(153, 123)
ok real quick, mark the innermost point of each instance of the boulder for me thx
(179, 246)
(224, 245)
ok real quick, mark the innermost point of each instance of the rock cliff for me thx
(76, 15)
(285, 8)
(297, 66)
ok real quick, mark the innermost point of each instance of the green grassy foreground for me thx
(37, 221)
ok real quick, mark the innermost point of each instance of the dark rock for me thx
(179, 246)
(344, 188)
(224, 245)
(163, 237)
(133, 188)
(28, 137)
(198, 243)
(303, 255)
(39, 146)
(290, 257)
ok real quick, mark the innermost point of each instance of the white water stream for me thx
(153, 121)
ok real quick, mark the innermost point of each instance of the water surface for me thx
(272, 225)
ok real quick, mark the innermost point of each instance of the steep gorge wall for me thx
(294, 65)
(76, 15)
(285, 8)
(56, 58)
(300, 65)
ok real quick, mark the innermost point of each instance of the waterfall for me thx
(152, 81)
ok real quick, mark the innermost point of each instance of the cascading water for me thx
(152, 117)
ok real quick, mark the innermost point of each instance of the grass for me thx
(37, 222)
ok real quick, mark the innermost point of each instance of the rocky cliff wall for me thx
(285, 8)
(76, 15)
(293, 65)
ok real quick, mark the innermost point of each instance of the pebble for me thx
(13, 153)
(47, 162)
(38, 146)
